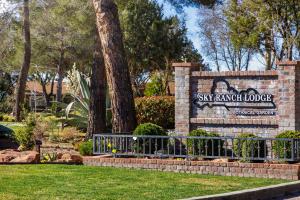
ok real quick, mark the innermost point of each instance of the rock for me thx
(27, 157)
(221, 160)
(70, 158)
(8, 155)
(59, 155)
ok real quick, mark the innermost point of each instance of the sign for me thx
(248, 102)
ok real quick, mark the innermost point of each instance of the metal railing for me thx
(251, 149)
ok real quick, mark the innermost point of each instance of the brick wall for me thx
(282, 83)
(260, 170)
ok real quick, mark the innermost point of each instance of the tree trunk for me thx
(60, 73)
(21, 85)
(97, 107)
(117, 71)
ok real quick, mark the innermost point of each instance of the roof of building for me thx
(32, 86)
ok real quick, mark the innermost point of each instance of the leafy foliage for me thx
(158, 110)
(149, 145)
(205, 147)
(5, 132)
(149, 129)
(152, 41)
(24, 137)
(248, 148)
(78, 110)
(86, 148)
(283, 149)
(270, 27)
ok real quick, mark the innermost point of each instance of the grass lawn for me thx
(82, 182)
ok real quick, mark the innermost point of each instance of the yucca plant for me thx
(77, 111)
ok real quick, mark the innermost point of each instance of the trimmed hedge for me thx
(205, 147)
(248, 148)
(158, 110)
(282, 149)
(149, 129)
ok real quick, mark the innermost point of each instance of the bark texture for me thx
(117, 71)
(60, 73)
(97, 107)
(21, 84)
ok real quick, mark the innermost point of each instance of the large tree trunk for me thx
(97, 107)
(117, 71)
(21, 85)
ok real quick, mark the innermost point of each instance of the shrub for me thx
(53, 137)
(24, 137)
(204, 147)
(69, 134)
(157, 110)
(5, 132)
(248, 148)
(282, 149)
(1, 117)
(86, 148)
(8, 118)
(150, 129)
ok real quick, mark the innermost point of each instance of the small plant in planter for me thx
(283, 149)
(149, 145)
(245, 148)
(204, 147)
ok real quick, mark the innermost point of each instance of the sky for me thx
(191, 15)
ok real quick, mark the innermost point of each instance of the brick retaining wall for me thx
(259, 170)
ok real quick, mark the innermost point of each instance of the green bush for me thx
(5, 132)
(149, 129)
(1, 117)
(24, 137)
(86, 148)
(8, 118)
(157, 110)
(282, 149)
(204, 147)
(247, 148)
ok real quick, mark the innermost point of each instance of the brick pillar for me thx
(183, 96)
(288, 95)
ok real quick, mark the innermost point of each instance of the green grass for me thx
(82, 182)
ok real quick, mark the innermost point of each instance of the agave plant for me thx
(78, 110)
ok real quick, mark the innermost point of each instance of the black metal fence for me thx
(252, 149)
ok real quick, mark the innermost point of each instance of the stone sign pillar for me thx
(289, 95)
(183, 96)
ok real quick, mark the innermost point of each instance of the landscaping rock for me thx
(27, 157)
(8, 155)
(221, 160)
(70, 158)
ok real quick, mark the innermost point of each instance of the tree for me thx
(62, 38)
(116, 65)
(270, 27)
(152, 42)
(45, 78)
(217, 42)
(21, 85)
(179, 4)
(97, 105)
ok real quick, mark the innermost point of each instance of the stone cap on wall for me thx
(186, 64)
(288, 63)
(235, 73)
